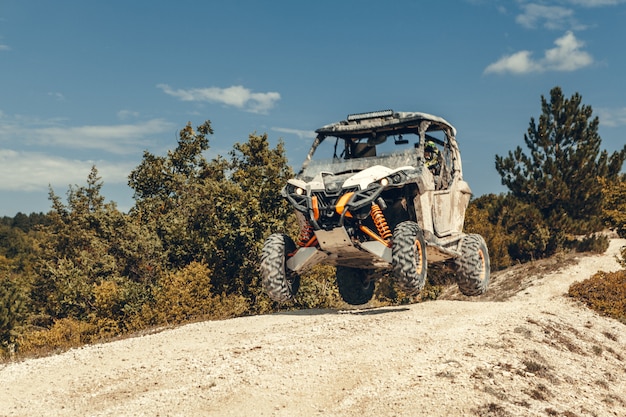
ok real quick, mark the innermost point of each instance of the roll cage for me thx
(357, 139)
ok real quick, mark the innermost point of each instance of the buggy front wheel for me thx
(279, 283)
(409, 257)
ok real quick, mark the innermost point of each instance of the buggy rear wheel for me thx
(355, 286)
(279, 283)
(409, 257)
(473, 266)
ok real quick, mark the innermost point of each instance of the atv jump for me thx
(390, 197)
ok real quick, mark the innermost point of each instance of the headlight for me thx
(294, 189)
(393, 179)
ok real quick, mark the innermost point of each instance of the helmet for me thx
(430, 146)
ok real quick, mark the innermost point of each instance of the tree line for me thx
(189, 247)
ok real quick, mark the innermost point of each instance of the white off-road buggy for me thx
(389, 197)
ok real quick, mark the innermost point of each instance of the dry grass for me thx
(605, 292)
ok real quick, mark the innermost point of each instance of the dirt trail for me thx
(535, 353)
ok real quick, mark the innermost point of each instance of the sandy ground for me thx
(529, 352)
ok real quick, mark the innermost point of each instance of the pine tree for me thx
(560, 174)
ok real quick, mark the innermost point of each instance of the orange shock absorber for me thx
(306, 237)
(381, 223)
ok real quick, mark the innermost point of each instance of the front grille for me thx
(328, 200)
(327, 203)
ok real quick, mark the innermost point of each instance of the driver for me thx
(432, 156)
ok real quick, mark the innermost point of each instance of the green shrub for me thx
(187, 295)
(593, 243)
(318, 288)
(12, 311)
(478, 220)
(614, 204)
(184, 294)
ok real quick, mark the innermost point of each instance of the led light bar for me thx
(370, 115)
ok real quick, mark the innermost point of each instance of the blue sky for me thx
(88, 82)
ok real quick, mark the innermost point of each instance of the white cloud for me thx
(302, 134)
(34, 171)
(236, 96)
(65, 154)
(553, 17)
(517, 63)
(567, 56)
(57, 96)
(596, 3)
(612, 117)
(4, 47)
(535, 15)
(127, 114)
(117, 139)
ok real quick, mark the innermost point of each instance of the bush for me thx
(593, 243)
(604, 292)
(64, 334)
(513, 230)
(12, 310)
(187, 295)
(478, 219)
(184, 294)
(318, 288)
(614, 205)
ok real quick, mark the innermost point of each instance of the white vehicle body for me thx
(349, 204)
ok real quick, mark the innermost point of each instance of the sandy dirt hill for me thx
(522, 349)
